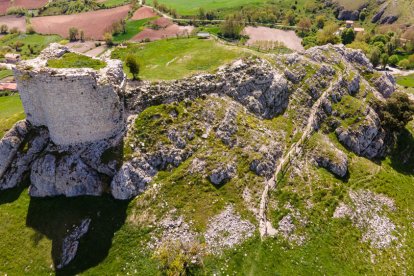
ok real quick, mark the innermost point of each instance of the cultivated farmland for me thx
(27, 4)
(94, 23)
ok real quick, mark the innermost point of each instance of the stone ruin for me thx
(77, 105)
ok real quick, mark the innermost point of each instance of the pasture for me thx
(178, 58)
(406, 81)
(11, 111)
(28, 45)
(132, 28)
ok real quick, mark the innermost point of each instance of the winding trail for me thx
(295, 149)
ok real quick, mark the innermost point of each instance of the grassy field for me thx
(11, 111)
(133, 27)
(177, 58)
(406, 81)
(35, 41)
(184, 7)
(5, 73)
(114, 3)
(73, 60)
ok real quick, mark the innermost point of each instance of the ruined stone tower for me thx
(77, 105)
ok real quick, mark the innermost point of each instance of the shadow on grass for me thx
(402, 156)
(11, 195)
(55, 218)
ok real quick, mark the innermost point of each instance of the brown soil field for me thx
(28, 4)
(162, 22)
(288, 38)
(94, 23)
(142, 13)
(13, 21)
(171, 31)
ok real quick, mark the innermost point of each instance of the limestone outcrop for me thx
(63, 148)
(77, 105)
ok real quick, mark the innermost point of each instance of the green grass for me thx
(5, 73)
(133, 27)
(114, 3)
(406, 81)
(11, 111)
(73, 60)
(184, 7)
(177, 58)
(36, 41)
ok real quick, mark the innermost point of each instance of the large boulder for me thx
(385, 84)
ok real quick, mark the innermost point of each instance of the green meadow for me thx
(177, 58)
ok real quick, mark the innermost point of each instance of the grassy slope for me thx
(133, 27)
(11, 111)
(73, 60)
(5, 73)
(406, 81)
(39, 42)
(177, 58)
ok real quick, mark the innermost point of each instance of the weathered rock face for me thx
(385, 84)
(331, 158)
(76, 105)
(255, 84)
(222, 174)
(367, 139)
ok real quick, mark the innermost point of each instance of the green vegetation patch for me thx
(73, 60)
(406, 81)
(177, 58)
(28, 45)
(5, 73)
(132, 28)
(11, 111)
(114, 3)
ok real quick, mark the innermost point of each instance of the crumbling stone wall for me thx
(77, 105)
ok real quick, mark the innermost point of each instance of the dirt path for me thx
(294, 150)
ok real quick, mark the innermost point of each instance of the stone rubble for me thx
(367, 211)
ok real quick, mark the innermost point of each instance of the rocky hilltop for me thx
(238, 130)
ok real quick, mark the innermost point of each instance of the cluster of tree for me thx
(319, 31)
(75, 34)
(4, 29)
(164, 8)
(16, 11)
(396, 112)
(232, 27)
(206, 15)
(69, 7)
(119, 27)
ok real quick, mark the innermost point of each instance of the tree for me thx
(328, 35)
(201, 14)
(320, 21)
(393, 60)
(384, 60)
(347, 36)
(290, 18)
(304, 25)
(4, 29)
(404, 64)
(232, 27)
(82, 36)
(375, 56)
(396, 112)
(73, 34)
(30, 29)
(133, 66)
(108, 39)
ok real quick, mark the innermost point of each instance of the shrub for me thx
(404, 64)
(73, 34)
(177, 258)
(348, 36)
(393, 60)
(16, 10)
(396, 112)
(384, 59)
(133, 66)
(14, 30)
(375, 56)
(4, 29)
(327, 35)
(73, 60)
(108, 39)
(232, 27)
(30, 29)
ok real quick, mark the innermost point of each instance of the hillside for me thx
(279, 165)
